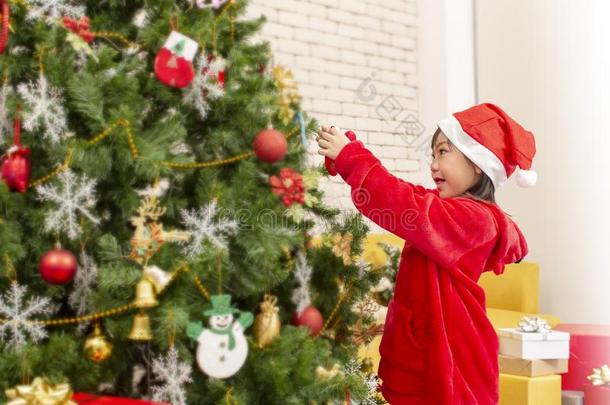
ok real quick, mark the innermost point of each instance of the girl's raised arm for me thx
(442, 229)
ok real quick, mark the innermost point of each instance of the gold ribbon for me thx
(342, 247)
(40, 392)
(600, 376)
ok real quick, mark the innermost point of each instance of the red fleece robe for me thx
(438, 346)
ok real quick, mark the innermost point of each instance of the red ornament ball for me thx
(311, 318)
(16, 168)
(270, 145)
(58, 266)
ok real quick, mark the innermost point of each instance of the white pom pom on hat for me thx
(526, 178)
(493, 141)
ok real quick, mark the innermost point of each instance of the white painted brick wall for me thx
(356, 65)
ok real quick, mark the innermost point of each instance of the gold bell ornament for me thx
(140, 328)
(267, 323)
(158, 277)
(97, 347)
(145, 295)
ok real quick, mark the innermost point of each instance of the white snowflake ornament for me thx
(157, 190)
(207, 85)
(302, 273)
(84, 282)
(54, 9)
(75, 195)
(202, 226)
(370, 380)
(5, 122)
(181, 148)
(45, 109)
(16, 313)
(141, 18)
(173, 375)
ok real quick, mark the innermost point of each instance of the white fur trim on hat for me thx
(526, 178)
(487, 161)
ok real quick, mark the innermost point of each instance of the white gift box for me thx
(534, 345)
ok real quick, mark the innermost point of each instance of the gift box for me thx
(599, 395)
(519, 390)
(589, 347)
(534, 345)
(91, 399)
(531, 368)
(572, 397)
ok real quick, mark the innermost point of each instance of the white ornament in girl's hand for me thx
(223, 348)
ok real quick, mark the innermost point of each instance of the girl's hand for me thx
(330, 141)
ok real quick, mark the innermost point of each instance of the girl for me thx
(438, 346)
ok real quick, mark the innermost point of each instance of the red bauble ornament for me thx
(174, 62)
(58, 266)
(270, 145)
(16, 166)
(311, 318)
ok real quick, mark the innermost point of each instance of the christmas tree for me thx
(156, 213)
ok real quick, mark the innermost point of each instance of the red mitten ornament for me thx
(329, 163)
(174, 62)
(16, 166)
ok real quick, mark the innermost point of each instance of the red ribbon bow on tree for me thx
(80, 27)
(289, 186)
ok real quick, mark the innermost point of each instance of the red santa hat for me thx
(493, 141)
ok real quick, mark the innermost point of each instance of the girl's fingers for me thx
(325, 128)
(324, 143)
(323, 152)
(335, 131)
(326, 135)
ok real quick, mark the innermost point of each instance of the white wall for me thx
(547, 62)
(356, 66)
(446, 65)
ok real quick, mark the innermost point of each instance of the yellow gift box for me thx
(532, 368)
(519, 390)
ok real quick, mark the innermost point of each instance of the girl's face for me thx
(452, 172)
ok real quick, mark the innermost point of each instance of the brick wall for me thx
(355, 62)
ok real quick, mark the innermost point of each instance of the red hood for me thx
(511, 245)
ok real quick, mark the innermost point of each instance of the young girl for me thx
(438, 346)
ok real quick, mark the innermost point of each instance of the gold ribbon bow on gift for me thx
(534, 324)
(40, 392)
(600, 376)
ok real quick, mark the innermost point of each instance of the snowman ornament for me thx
(223, 348)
